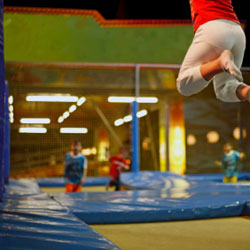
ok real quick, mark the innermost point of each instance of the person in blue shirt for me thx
(75, 168)
(230, 163)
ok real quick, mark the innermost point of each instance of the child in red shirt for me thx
(117, 163)
(216, 52)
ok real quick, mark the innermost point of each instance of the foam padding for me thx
(173, 198)
(59, 181)
(35, 221)
(166, 180)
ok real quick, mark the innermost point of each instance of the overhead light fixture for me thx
(72, 108)
(121, 99)
(35, 120)
(81, 101)
(128, 118)
(73, 130)
(11, 108)
(10, 99)
(147, 99)
(65, 114)
(118, 122)
(51, 98)
(141, 113)
(129, 99)
(60, 119)
(33, 130)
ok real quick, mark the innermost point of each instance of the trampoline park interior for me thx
(173, 196)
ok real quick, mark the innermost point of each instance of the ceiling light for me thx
(35, 120)
(72, 108)
(141, 113)
(81, 101)
(11, 108)
(121, 99)
(60, 119)
(118, 122)
(147, 99)
(65, 114)
(127, 118)
(11, 99)
(73, 130)
(51, 98)
(33, 130)
(129, 99)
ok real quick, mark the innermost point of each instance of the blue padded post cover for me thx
(2, 78)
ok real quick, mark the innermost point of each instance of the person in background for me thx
(117, 163)
(75, 167)
(230, 163)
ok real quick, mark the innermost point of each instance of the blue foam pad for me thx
(180, 199)
(22, 187)
(36, 221)
(59, 181)
(246, 211)
(163, 180)
(216, 177)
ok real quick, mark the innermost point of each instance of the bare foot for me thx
(227, 63)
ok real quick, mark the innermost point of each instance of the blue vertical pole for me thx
(135, 138)
(2, 78)
(135, 125)
(6, 136)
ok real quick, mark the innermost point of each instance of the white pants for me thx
(210, 40)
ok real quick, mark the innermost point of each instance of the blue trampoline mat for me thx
(59, 181)
(32, 220)
(160, 197)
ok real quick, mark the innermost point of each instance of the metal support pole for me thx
(135, 124)
(106, 122)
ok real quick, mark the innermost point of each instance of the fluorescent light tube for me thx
(73, 130)
(51, 98)
(127, 118)
(129, 99)
(35, 120)
(33, 130)
(72, 108)
(118, 122)
(81, 101)
(141, 113)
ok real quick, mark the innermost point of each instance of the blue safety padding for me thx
(35, 221)
(6, 159)
(22, 187)
(184, 200)
(2, 103)
(246, 211)
(216, 177)
(59, 181)
(159, 180)
(150, 180)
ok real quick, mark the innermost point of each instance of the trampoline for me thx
(147, 217)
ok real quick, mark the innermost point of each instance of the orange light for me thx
(177, 146)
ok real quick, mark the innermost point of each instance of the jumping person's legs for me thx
(226, 87)
(190, 81)
(209, 56)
